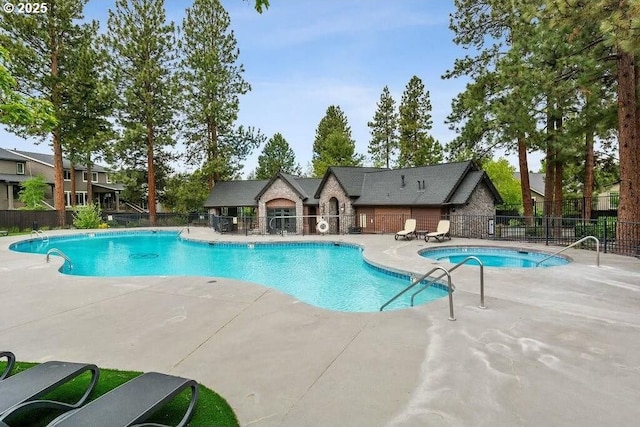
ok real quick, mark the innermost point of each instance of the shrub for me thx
(89, 216)
(598, 228)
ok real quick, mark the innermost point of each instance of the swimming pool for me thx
(329, 275)
(494, 257)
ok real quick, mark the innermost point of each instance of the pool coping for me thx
(556, 348)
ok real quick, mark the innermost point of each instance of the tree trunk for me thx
(589, 164)
(58, 179)
(151, 178)
(550, 160)
(525, 186)
(72, 196)
(629, 207)
(559, 169)
(89, 184)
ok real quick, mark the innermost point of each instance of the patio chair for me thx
(441, 233)
(409, 229)
(24, 390)
(132, 403)
(11, 360)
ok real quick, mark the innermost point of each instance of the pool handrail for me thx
(56, 251)
(183, 228)
(464, 261)
(419, 280)
(39, 233)
(572, 245)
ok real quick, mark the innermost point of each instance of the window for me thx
(66, 174)
(20, 168)
(94, 176)
(107, 178)
(81, 198)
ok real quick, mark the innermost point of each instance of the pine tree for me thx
(39, 47)
(333, 145)
(276, 156)
(89, 101)
(143, 44)
(213, 83)
(384, 137)
(417, 147)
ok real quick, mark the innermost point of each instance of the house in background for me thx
(13, 172)
(370, 200)
(536, 184)
(105, 193)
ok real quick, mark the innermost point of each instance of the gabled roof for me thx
(536, 181)
(350, 178)
(468, 186)
(47, 160)
(434, 185)
(8, 155)
(290, 180)
(235, 193)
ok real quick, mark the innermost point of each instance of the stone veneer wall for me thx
(280, 190)
(481, 206)
(332, 189)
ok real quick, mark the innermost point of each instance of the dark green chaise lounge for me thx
(11, 360)
(23, 391)
(132, 403)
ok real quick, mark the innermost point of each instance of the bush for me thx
(598, 228)
(89, 216)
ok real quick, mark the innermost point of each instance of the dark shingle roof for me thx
(235, 193)
(16, 178)
(8, 155)
(349, 177)
(310, 186)
(440, 182)
(468, 186)
(536, 181)
(47, 159)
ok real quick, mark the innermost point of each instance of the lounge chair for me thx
(11, 360)
(441, 233)
(409, 229)
(24, 390)
(132, 403)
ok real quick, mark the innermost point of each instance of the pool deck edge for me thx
(557, 346)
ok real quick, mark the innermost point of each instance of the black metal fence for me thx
(615, 236)
(572, 207)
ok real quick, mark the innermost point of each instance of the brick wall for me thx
(279, 190)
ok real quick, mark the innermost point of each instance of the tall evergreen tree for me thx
(213, 83)
(39, 46)
(417, 146)
(618, 27)
(276, 156)
(384, 130)
(333, 145)
(142, 44)
(89, 100)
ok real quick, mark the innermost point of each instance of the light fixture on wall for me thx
(342, 208)
(322, 209)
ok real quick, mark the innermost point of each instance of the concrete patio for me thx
(556, 346)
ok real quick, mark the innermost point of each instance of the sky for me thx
(302, 56)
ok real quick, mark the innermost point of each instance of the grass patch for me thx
(211, 409)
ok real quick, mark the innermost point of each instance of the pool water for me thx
(494, 257)
(325, 275)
